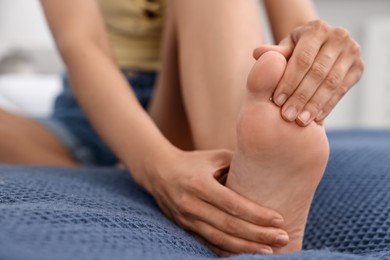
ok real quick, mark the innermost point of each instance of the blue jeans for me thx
(73, 129)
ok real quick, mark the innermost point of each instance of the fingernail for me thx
(277, 222)
(282, 239)
(281, 99)
(304, 117)
(265, 251)
(291, 113)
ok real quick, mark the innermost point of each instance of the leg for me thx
(167, 108)
(216, 40)
(205, 80)
(25, 141)
(213, 71)
(277, 164)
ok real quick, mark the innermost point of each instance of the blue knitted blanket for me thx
(54, 213)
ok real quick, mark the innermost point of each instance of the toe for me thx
(265, 74)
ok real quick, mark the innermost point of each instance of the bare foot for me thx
(277, 164)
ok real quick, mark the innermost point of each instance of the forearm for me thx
(286, 15)
(99, 86)
(112, 108)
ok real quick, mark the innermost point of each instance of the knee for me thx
(8, 131)
(4, 116)
(7, 135)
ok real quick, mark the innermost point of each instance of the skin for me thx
(269, 166)
(159, 157)
(153, 159)
(317, 75)
(40, 146)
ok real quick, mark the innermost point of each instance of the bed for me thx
(100, 213)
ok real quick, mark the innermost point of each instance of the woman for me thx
(187, 137)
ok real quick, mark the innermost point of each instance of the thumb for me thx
(285, 47)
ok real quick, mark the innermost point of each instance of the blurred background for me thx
(30, 67)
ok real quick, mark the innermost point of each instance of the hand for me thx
(186, 189)
(323, 64)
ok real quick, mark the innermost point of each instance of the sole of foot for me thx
(277, 164)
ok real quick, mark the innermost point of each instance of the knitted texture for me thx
(55, 213)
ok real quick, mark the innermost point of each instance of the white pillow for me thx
(31, 95)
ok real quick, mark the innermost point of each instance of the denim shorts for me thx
(69, 124)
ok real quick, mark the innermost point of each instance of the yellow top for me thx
(135, 28)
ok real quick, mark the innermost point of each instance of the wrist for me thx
(147, 170)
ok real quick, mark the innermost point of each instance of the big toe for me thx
(266, 74)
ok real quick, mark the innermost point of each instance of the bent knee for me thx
(4, 115)
(9, 136)
(13, 130)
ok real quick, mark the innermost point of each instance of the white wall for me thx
(22, 24)
(357, 16)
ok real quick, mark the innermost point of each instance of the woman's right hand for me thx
(185, 187)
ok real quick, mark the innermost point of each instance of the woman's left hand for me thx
(324, 62)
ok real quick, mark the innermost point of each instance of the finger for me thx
(354, 74)
(305, 52)
(219, 251)
(314, 90)
(216, 250)
(191, 209)
(227, 242)
(204, 212)
(325, 92)
(237, 205)
(285, 47)
(322, 65)
(164, 209)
